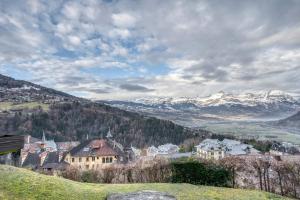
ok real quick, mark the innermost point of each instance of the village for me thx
(92, 154)
(105, 160)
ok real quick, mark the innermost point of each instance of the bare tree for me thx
(234, 164)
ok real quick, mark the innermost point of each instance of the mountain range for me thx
(27, 108)
(191, 111)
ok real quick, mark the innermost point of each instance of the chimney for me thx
(28, 138)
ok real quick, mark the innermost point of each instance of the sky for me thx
(147, 48)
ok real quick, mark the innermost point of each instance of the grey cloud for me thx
(75, 80)
(98, 90)
(221, 34)
(135, 88)
(104, 90)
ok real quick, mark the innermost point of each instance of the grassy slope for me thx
(9, 105)
(16, 183)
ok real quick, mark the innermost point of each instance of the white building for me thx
(210, 149)
(216, 149)
(166, 149)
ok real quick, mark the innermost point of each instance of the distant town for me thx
(48, 155)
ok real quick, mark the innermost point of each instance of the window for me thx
(87, 159)
(73, 159)
(103, 160)
(107, 159)
(86, 149)
(97, 158)
(80, 159)
(93, 158)
(110, 159)
(87, 166)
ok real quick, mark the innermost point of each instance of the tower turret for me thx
(109, 135)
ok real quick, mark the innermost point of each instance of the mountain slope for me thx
(64, 117)
(292, 121)
(24, 91)
(74, 121)
(16, 183)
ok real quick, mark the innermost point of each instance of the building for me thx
(284, 148)
(216, 149)
(36, 146)
(210, 149)
(47, 145)
(93, 154)
(66, 146)
(46, 161)
(166, 149)
(43, 154)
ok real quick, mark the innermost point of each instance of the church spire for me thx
(44, 137)
(109, 135)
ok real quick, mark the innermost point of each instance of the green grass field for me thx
(16, 183)
(5, 106)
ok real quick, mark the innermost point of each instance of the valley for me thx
(246, 115)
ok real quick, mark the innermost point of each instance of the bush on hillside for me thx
(199, 173)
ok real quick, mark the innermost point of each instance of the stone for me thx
(142, 195)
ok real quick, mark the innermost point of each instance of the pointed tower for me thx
(109, 135)
(44, 138)
(43, 143)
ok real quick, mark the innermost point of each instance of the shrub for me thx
(198, 173)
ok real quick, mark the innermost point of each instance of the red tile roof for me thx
(98, 147)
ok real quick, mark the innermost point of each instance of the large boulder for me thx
(142, 195)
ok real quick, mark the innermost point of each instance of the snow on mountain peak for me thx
(222, 98)
(217, 95)
(278, 95)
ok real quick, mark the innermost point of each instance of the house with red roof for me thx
(95, 154)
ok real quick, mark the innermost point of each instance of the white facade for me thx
(216, 149)
(166, 149)
(210, 149)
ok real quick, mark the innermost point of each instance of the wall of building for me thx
(216, 155)
(90, 162)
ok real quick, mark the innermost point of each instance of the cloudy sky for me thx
(128, 49)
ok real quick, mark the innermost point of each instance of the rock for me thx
(142, 195)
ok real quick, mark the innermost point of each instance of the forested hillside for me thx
(27, 108)
(74, 121)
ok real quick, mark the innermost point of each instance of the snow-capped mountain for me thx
(222, 98)
(272, 104)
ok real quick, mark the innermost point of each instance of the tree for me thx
(233, 164)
